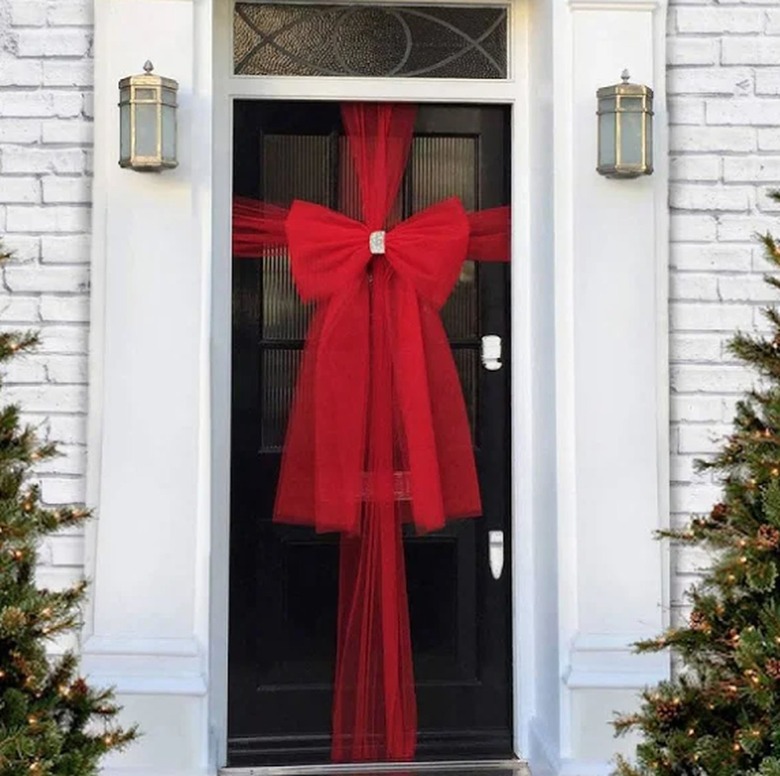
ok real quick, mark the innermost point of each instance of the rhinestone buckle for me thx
(376, 243)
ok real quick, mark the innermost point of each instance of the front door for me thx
(283, 580)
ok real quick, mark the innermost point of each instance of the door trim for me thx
(513, 92)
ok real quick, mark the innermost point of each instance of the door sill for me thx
(455, 767)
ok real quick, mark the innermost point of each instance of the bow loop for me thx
(428, 249)
(328, 251)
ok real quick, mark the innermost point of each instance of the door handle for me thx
(491, 352)
(496, 553)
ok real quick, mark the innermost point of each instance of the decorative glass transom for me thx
(404, 41)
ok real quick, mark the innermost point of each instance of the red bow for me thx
(324, 477)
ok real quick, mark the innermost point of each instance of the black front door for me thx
(283, 580)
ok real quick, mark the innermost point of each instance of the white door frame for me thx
(513, 92)
(590, 380)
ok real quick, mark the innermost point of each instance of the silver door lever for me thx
(491, 352)
(496, 553)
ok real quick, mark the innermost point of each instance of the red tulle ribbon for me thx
(378, 431)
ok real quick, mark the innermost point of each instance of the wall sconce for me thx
(625, 114)
(147, 121)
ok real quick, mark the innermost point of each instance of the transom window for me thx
(406, 41)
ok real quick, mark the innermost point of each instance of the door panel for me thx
(283, 579)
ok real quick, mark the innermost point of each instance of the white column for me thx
(611, 419)
(146, 628)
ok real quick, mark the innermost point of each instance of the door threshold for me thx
(461, 767)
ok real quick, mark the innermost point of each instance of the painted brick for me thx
(61, 72)
(65, 339)
(70, 12)
(692, 228)
(745, 288)
(60, 490)
(19, 131)
(23, 159)
(72, 460)
(65, 550)
(698, 168)
(27, 12)
(699, 197)
(752, 168)
(67, 370)
(706, 81)
(710, 317)
(48, 398)
(46, 219)
(692, 51)
(694, 499)
(700, 439)
(694, 287)
(19, 309)
(65, 309)
(25, 248)
(70, 131)
(743, 112)
(53, 43)
(708, 380)
(686, 110)
(696, 348)
(68, 190)
(723, 115)
(765, 202)
(68, 429)
(20, 72)
(769, 139)
(709, 139)
(15, 190)
(695, 408)
(719, 20)
(768, 80)
(733, 228)
(46, 279)
(65, 249)
(750, 51)
(24, 104)
(24, 371)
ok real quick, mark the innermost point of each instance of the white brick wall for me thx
(45, 140)
(724, 96)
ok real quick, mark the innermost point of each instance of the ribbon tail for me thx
(374, 710)
(418, 439)
(320, 481)
(374, 706)
(454, 444)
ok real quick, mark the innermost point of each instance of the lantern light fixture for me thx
(147, 121)
(625, 129)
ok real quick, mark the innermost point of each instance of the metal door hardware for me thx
(496, 553)
(491, 352)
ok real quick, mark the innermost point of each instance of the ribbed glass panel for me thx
(349, 189)
(297, 167)
(284, 315)
(368, 39)
(294, 167)
(443, 167)
(279, 372)
(467, 363)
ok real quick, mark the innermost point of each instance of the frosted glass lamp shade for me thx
(625, 130)
(147, 122)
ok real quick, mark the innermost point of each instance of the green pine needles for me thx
(52, 723)
(720, 716)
